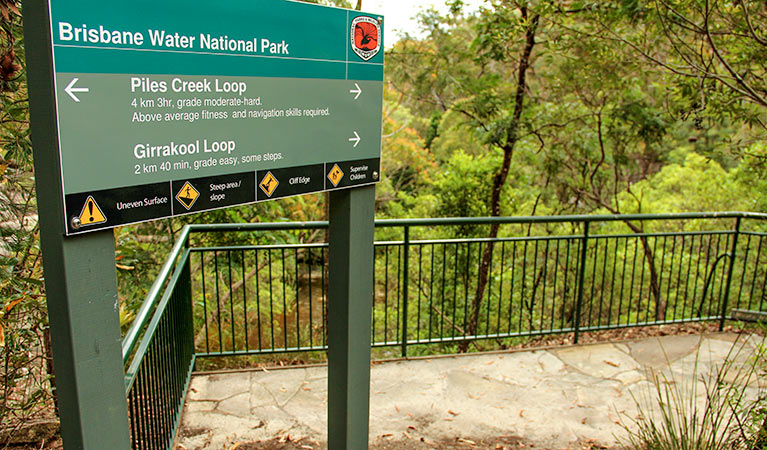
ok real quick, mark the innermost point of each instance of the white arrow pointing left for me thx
(356, 139)
(71, 89)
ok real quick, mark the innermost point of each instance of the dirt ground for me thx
(414, 443)
(405, 443)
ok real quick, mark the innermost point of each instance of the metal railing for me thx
(437, 282)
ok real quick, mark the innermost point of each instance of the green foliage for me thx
(24, 350)
(463, 187)
(732, 413)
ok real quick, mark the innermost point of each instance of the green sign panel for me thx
(168, 108)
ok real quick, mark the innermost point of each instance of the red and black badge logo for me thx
(366, 37)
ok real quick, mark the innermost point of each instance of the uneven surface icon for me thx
(366, 37)
(335, 175)
(269, 184)
(187, 195)
(91, 213)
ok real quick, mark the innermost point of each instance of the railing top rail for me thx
(566, 218)
(143, 316)
(441, 221)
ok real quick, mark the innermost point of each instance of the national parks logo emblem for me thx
(366, 37)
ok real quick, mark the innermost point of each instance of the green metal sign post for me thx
(349, 316)
(80, 280)
(143, 110)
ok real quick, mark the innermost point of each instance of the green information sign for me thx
(167, 108)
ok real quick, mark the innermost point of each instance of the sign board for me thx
(174, 107)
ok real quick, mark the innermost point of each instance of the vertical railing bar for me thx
(174, 335)
(679, 278)
(169, 384)
(442, 302)
(593, 281)
(713, 275)
(298, 300)
(534, 287)
(511, 288)
(374, 316)
(167, 380)
(544, 276)
(431, 291)
(500, 289)
(756, 272)
(324, 300)
(155, 413)
(612, 284)
(163, 379)
(554, 295)
(420, 282)
(623, 279)
(731, 268)
(258, 301)
(524, 283)
(489, 281)
(565, 286)
(386, 293)
(604, 279)
(466, 282)
(165, 368)
(641, 283)
(687, 277)
(405, 290)
(149, 407)
(633, 278)
(743, 272)
(487, 290)
(149, 436)
(397, 304)
(650, 293)
(670, 275)
(245, 300)
(764, 292)
(141, 393)
(218, 303)
(284, 300)
(581, 276)
(705, 276)
(135, 432)
(720, 299)
(310, 269)
(156, 393)
(204, 303)
(271, 296)
(175, 343)
(231, 297)
(455, 289)
(697, 277)
(660, 281)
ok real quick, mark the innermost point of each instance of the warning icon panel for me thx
(269, 184)
(335, 175)
(91, 213)
(188, 195)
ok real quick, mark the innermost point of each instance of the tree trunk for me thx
(660, 302)
(500, 178)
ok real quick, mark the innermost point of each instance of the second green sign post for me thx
(144, 110)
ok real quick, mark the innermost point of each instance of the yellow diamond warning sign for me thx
(269, 184)
(91, 214)
(187, 195)
(335, 175)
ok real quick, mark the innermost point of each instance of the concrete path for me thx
(553, 398)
